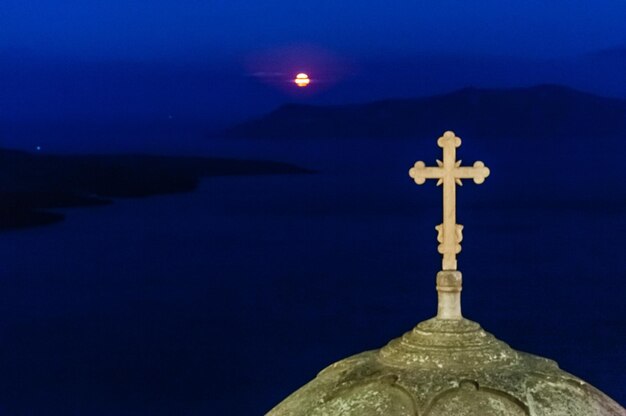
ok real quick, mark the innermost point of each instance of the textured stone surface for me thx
(446, 367)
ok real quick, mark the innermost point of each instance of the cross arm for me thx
(478, 172)
(420, 172)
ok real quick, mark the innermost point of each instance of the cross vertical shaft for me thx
(449, 210)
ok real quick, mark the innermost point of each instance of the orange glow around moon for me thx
(302, 80)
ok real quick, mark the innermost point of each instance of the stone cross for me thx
(449, 173)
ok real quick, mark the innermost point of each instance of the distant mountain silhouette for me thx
(31, 183)
(536, 112)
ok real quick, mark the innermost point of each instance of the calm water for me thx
(225, 300)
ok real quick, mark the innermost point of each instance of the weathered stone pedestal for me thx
(447, 366)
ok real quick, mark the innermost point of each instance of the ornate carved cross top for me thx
(449, 173)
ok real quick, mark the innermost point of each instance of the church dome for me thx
(446, 368)
(448, 365)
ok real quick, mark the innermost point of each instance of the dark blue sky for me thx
(228, 28)
(217, 62)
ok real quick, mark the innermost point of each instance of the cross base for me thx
(449, 286)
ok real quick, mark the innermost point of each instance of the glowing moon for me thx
(302, 80)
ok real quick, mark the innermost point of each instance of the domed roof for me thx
(446, 367)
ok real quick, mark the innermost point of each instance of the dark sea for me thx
(225, 300)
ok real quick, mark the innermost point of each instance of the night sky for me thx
(223, 61)
(227, 30)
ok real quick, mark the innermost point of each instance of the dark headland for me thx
(32, 183)
(537, 112)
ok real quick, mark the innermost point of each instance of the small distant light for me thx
(169, 117)
(38, 147)
(302, 80)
